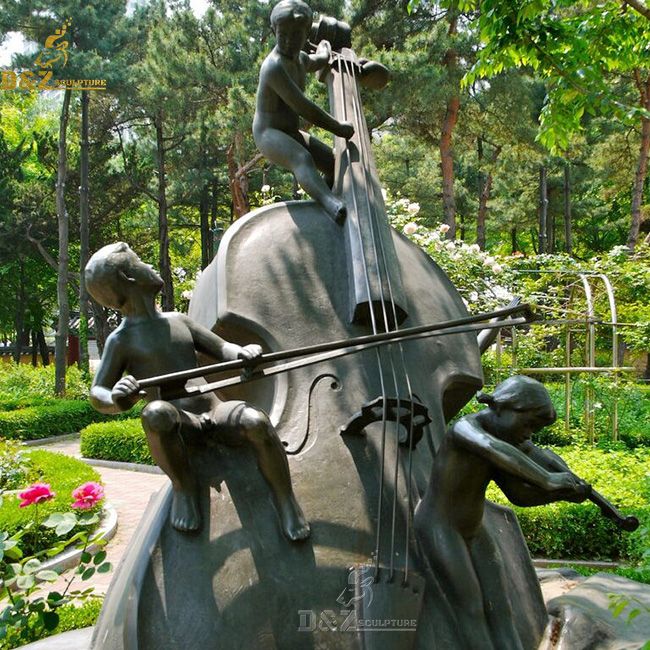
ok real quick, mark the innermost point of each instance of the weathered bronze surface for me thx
(363, 434)
(149, 342)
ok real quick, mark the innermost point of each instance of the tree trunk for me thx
(450, 61)
(61, 339)
(204, 216)
(643, 87)
(484, 197)
(543, 211)
(34, 349)
(163, 225)
(42, 346)
(447, 166)
(204, 201)
(238, 185)
(83, 236)
(639, 183)
(101, 325)
(550, 226)
(568, 231)
(19, 316)
(213, 217)
(514, 245)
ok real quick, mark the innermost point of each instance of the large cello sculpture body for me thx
(359, 431)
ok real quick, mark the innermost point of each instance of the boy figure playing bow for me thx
(281, 102)
(491, 445)
(149, 343)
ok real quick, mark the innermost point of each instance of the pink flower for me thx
(87, 495)
(36, 493)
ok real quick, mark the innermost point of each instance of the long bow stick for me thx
(323, 351)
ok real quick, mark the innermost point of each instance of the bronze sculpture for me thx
(281, 101)
(493, 444)
(363, 435)
(147, 343)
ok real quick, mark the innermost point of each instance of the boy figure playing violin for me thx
(149, 343)
(281, 102)
(493, 444)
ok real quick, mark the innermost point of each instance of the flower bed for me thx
(62, 474)
(40, 521)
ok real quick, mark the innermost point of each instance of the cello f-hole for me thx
(335, 386)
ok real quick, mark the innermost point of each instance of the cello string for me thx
(376, 238)
(378, 353)
(381, 274)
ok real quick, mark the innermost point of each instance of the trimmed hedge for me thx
(63, 474)
(578, 531)
(53, 418)
(121, 440)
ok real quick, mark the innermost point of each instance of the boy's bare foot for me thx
(185, 515)
(294, 524)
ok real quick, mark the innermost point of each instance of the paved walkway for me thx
(129, 493)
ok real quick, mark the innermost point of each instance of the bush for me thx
(71, 617)
(53, 418)
(123, 441)
(12, 403)
(63, 474)
(579, 531)
(23, 381)
(14, 465)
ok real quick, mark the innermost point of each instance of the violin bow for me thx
(174, 383)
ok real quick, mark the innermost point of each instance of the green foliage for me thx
(14, 465)
(25, 616)
(23, 382)
(580, 47)
(63, 474)
(50, 419)
(578, 531)
(123, 441)
(71, 617)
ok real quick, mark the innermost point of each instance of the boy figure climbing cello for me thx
(493, 444)
(150, 343)
(281, 102)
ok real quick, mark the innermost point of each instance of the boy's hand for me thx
(126, 392)
(250, 354)
(345, 130)
(577, 490)
(324, 50)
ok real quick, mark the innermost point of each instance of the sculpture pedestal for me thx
(238, 583)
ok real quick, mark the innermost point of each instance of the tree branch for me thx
(638, 6)
(131, 178)
(73, 278)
